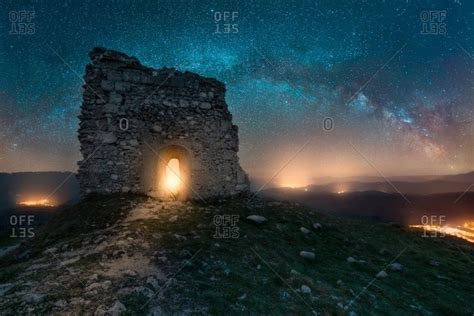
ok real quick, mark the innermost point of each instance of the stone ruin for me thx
(134, 120)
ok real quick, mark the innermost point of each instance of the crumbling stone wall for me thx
(132, 116)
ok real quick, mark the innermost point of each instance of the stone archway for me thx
(173, 173)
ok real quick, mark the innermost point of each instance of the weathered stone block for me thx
(113, 75)
(107, 85)
(110, 108)
(121, 86)
(107, 137)
(205, 105)
(115, 98)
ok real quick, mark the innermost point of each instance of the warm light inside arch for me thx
(173, 176)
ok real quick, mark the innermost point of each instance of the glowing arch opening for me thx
(173, 180)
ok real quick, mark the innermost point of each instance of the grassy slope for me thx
(256, 267)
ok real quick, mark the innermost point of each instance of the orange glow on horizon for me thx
(465, 231)
(293, 181)
(37, 202)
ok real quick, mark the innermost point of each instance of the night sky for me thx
(394, 79)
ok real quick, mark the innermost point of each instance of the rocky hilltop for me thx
(131, 255)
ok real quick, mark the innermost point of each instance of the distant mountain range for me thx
(404, 184)
(426, 187)
(462, 177)
(456, 207)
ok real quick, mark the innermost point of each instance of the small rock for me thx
(144, 291)
(442, 277)
(152, 282)
(70, 261)
(351, 260)
(305, 289)
(125, 189)
(157, 128)
(93, 286)
(382, 274)
(130, 273)
(317, 226)
(339, 282)
(242, 297)
(284, 295)
(173, 219)
(38, 266)
(96, 285)
(308, 255)
(117, 309)
(60, 303)
(396, 266)
(179, 237)
(100, 311)
(133, 142)
(167, 103)
(34, 297)
(50, 250)
(304, 230)
(257, 219)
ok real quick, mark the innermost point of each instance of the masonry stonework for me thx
(134, 119)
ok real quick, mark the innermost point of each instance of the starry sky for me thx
(318, 88)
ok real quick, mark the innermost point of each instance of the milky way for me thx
(337, 88)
